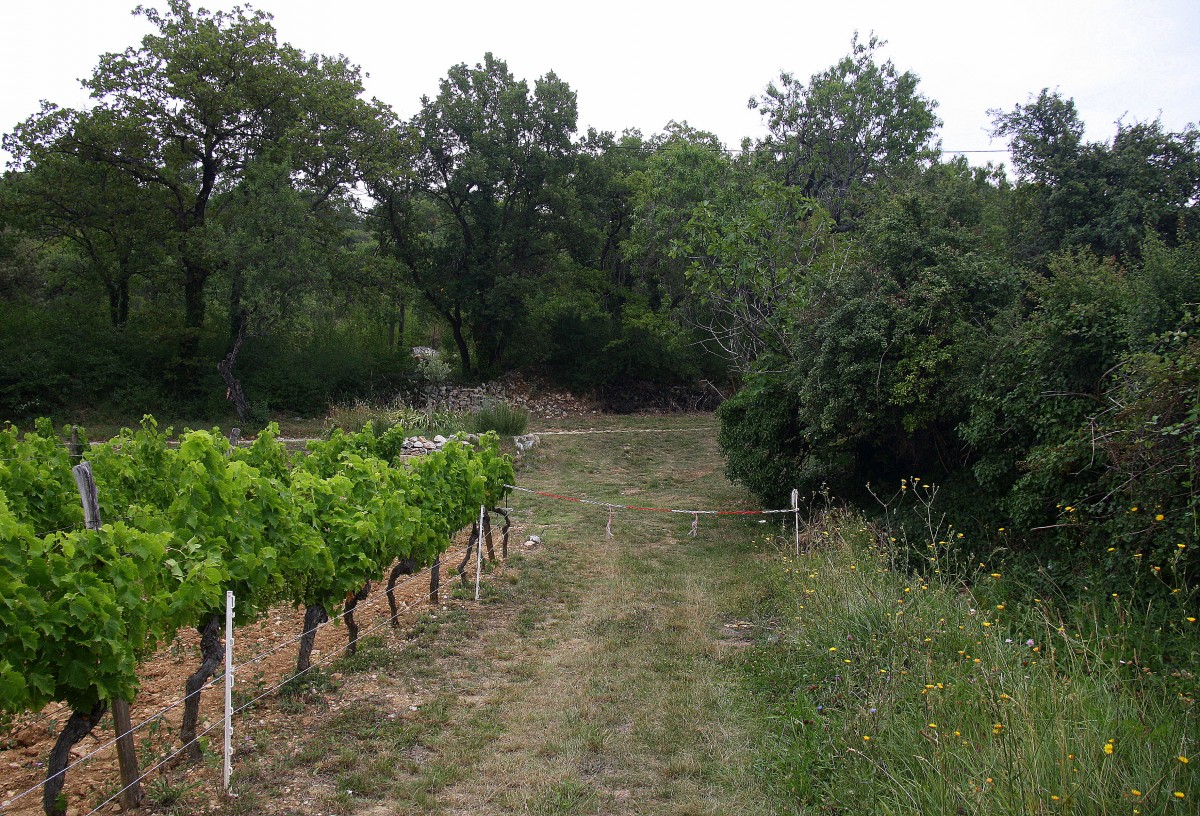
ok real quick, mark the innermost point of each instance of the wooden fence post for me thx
(796, 517)
(131, 786)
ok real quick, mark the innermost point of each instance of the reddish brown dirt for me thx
(25, 746)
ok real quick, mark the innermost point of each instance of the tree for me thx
(751, 248)
(605, 181)
(189, 110)
(115, 226)
(1105, 197)
(685, 167)
(851, 127)
(473, 200)
(278, 246)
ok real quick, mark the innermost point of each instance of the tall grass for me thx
(501, 417)
(888, 693)
(355, 416)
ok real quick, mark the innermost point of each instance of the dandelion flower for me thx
(1108, 748)
(1184, 760)
(1159, 517)
(1135, 791)
(1179, 795)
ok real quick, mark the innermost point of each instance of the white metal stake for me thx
(796, 517)
(229, 602)
(479, 550)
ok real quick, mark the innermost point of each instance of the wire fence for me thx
(365, 606)
(611, 506)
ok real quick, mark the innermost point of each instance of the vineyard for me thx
(87, 596)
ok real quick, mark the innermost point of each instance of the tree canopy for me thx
(852, 127)
(475, 205)
(186, 114)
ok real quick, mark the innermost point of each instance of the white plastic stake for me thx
(228, 687)
(796, 517)
(479, 550)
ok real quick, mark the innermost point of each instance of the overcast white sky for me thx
(641, 64)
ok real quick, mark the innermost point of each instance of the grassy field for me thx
(658, 673)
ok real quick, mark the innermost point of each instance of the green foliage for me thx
(761, 439)
(866, 391)
(198, 110)
(751, 249)
(1109, 198)
(926, 353)
(471, 197)
(585, 347)
(82, 607)
(911, 694)
(35, 476)
(499, 416)
(853, 126)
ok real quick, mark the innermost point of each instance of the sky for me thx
(643, 64)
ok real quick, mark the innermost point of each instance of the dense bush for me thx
(1055, 412)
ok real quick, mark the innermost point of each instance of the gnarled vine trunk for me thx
(348, 617)
(487, 534)
(472, 542)
(405, 566)
(78, 726)
(314, 616)
(212, 652)
(435, 580)
(504, 531)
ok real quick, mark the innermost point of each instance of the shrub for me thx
(499, 416)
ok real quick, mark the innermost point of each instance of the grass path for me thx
(625, 704)
(595, 678)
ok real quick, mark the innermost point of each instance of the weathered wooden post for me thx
(796, 518)
(131, 787)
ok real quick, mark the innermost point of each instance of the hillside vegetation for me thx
(1013, 350)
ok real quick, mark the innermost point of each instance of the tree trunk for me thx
(406, 566)
(400, 318)
(460, 340)
(314, 616)
(237, 313)
(194, 280)
(212, 652)
(118, 302)
(233, 387)
(78, 726)
(348, 616)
